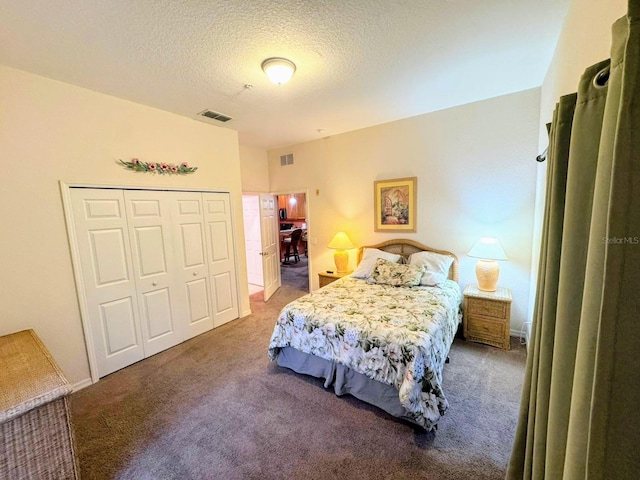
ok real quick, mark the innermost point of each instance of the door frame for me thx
(65, 191)
(309, 225)
(257, 196)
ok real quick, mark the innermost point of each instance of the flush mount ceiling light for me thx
(279, 70)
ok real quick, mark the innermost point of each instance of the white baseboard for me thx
(523, 334)
(245, 313)
(518, 335)
(81, 384)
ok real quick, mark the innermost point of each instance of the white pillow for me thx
(368, 262)
(436, 267)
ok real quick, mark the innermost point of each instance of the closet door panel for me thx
(108, 256)
(107, 276)
(149, 220)
(157, 313)
(118, 323)
(149, 243)
(192, 244)
(192, 273)
(219, 244)
(223, 291)
(221, 254)
(198, 305)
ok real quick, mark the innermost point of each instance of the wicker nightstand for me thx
(487, 316)
(325, 278)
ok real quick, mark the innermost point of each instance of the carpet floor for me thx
(296, 274)
(214, 407)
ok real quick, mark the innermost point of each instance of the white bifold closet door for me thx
(221, 258)
(110, 294)
(193, 271)
(160, 302)
(158, 267)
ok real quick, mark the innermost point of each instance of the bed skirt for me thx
(344, 380)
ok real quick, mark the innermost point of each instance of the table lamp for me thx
(488, 250)
(341, 243)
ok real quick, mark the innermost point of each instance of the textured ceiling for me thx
(359, 62)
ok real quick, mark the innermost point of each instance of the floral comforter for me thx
(396, 335)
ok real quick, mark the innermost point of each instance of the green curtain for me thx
(580, 408)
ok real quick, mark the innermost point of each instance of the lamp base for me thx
(487, 272)
(341, 258)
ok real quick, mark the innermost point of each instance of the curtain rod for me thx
(543, 156)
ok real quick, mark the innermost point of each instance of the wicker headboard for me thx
(406, 247)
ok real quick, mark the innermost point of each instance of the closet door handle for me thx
(154, 283)
(195, 274)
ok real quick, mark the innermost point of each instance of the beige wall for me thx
(254, 169)
(476, 174)
(51, 132)
(585, 39)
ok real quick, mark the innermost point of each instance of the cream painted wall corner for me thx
(254, 169)
(52, 131)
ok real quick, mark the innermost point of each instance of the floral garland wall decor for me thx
(160, 168)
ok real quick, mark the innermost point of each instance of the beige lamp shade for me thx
(488, 250)
(340, 243)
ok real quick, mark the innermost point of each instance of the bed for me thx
(377, 337)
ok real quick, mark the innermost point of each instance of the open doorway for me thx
(285, 260)
(293, 228)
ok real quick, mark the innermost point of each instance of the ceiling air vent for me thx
(221, 117)
(286, 159)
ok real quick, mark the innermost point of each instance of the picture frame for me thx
(395, 205)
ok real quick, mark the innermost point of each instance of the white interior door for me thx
(154, 267)
(191, 255)
(253, 241)
(270, 238)
(221, 257)
(107, 275)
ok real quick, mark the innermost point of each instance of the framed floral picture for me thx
(395, 205)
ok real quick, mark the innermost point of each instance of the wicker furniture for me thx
(487, 316)
(325, 278)
(36, 440)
